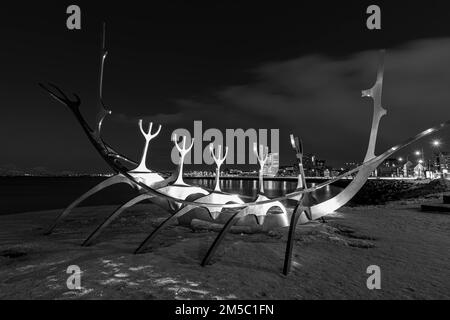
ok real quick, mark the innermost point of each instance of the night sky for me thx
(296, 68)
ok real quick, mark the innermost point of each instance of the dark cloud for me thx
(319, 98)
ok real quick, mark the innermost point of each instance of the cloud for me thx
(319, 98)
(165, 118)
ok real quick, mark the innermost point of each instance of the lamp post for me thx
(436, 144)
(399, 168)
(422, 156)
(419, 153)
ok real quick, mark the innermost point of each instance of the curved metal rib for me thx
(303, 207)
(97, 142)
(102, 185)
(333, 204)
(290, 243)
(350, 191)
(259, 212)
(313, 212)
(158, 229)
(96, 233)
(213, 197)
(231, 222)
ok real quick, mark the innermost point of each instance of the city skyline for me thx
(435, 160)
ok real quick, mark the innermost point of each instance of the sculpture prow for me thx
(331, 205)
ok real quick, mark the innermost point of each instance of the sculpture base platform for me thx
(148, 178)
(181, 191)
(259, 218)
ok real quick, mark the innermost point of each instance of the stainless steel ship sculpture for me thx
(183, 198)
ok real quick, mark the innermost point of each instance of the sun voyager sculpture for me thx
(181, 198)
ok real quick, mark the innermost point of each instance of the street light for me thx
(436, 144)
(421, 154)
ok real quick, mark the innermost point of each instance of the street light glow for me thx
(417, 153)
(436, 143)
(400, 159)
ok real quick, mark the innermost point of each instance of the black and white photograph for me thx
(226, 153)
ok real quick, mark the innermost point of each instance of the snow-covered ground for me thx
(330, 259)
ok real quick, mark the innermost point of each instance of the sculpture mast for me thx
(148, 137)
(219, 159)
(345, 195)
(103, 111)
(262, 157)
(183, 151)
(378, 111)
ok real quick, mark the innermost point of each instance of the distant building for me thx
(312, 166)
(320, 164)
(350, 166)
(335, 172)
(419, 171)
(232, 172)
(309, 161)
(272, 164)
(288, 171)
(407, 169)
(444, 160)
(390, 167)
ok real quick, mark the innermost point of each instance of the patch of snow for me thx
(139, 268)
(78, 293)
(192, 284)
(164, 281)
(45, 264)
(121, 275)
(231, 296)
(112, 281)
(181, 290)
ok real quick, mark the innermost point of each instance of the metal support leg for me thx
(113, 216)
(161, 227)
(104, 184)
(290, 243)
(232, 221)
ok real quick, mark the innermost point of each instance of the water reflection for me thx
(272, 188)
